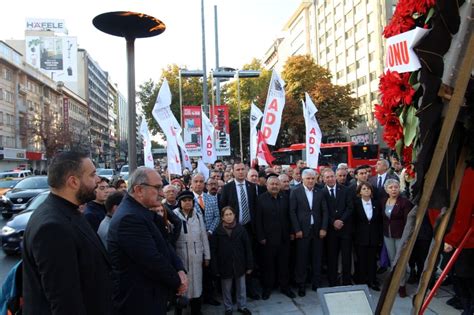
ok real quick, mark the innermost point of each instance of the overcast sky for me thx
(246, 30)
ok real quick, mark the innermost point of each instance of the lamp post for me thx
(130, 25)
(238, 74)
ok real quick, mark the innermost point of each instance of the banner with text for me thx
(255, 116)
(220, 120)
(313, 133)
(192, 129)
(147, 155)
(400, 55)
(274, 106)
(208, 150)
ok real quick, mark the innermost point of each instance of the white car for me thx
(124, 171)
(15, 174)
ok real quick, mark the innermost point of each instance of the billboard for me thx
(220, 119)
(55, 25)
(192, 129)
(55, 56)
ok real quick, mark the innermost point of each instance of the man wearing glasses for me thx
(95, 210)
(145, 267)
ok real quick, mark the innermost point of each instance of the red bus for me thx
(331, 154)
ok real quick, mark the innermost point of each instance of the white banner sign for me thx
(313, 133)
(255, 116)
(147, 156)
(400, 55)
(203, 169)
(54, 56)
(273, 109)
(174, 161)
(208, 149)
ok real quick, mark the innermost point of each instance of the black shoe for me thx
(302, 291)
(314, 287)
(212, 301)
(244, 311)
(253, 296)
(374, 287)
(265, 295)
(288, 293)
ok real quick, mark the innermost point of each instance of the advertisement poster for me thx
(192, 129)
(55, 56)
(220, 119)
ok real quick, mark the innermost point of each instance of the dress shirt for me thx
(309, 196)
(383, 176)
(237, 187)
(368, 208)
(196, 197)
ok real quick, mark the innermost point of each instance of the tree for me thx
(336, 107)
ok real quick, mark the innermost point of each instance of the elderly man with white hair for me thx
(309, 220)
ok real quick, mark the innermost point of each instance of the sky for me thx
(247, 29)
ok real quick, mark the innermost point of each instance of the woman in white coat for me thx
(192, 247)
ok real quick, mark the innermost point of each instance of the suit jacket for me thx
(380, 194)
(340, 209)
(65, 266)
(273, 219)
(145, 267)
(300, 211)
(229, 198)
(394, 225)
(94, 213)
(367, 232)
(211, 212)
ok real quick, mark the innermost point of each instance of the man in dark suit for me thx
(273, 233)
(378, 181)
(339, 201)
(65, 266)
(145, 267)
(309, 220)
(241, 195)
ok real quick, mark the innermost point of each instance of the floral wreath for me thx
(400, 92)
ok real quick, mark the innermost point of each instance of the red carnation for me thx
(396, 89)
(407, 154)
(393, 131)
(398, 24)
(382, 113)
(410, 171)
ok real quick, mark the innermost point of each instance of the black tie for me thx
(332, 193)
(379, 185)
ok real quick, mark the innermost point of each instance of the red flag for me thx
(263, 153)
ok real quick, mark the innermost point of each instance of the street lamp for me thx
(238, 74)
(186, 74)
(130, 25)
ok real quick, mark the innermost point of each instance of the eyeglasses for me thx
(157, 187)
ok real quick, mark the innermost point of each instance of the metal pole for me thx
(240, 116)
(204, 77)
(211, 111)
(132, 117)
(218, 81)
(180, 100)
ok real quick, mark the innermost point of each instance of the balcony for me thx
(22, 89)
(45, 100)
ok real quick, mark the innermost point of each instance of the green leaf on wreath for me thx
(402, 115)
(413, 78)
(430, 15)
(399, 147)
(410, 126)
(416, 86)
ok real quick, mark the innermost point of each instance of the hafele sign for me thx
(400, 55)
(12, 154)
(56, 25)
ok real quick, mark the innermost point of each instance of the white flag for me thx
(203, 169)
(313, 133)
(273, 109)
(148, 157)
(255, 116)
(174, 161)
(208, 149)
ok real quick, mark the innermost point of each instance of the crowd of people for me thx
(161, 242)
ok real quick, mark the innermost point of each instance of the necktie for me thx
(332, 193)
(379, 185)
(201, 202)
(244, 205)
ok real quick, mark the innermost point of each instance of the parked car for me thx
(12, 232)
(108, 173)
(8, 184)
(15, 200)
(124, 171)
(15, 174)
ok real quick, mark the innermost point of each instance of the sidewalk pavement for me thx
(310, 304)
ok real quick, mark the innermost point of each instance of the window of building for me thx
(359, 45)
(1, 94)
(358, 26)
(361, 81)
(373, 76)
(370, 17)
(371, 56)
(339, 74)
(350, 68)
(374, 96)
(1, 140)
(348, 17)
(339, 58)
(8, 96)
(7, 74)
(1, 118)
(349, 34)
(358, 8)
(339, 42)
(353, 85)
(338, 25)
